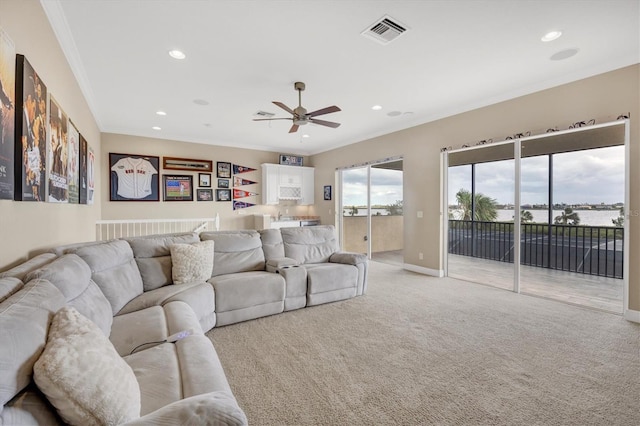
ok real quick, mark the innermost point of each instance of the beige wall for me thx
(604, 95)
(28, 228)
(229, 219)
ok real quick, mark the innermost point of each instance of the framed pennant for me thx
(238, 181)
(241, 169)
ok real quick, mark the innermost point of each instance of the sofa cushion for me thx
(272, 244)
(72, 276)
(24, 321)
(153, 256)
(235, 251)
(330, 277)
(115, 271)
(192, 262)
(310, 244)
(8, 286)
(29, 407)
(83, 376)
(24, 268)
(247, 289)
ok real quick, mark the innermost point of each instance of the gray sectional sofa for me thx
(121, 294)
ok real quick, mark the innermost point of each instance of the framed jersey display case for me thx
(133, 177)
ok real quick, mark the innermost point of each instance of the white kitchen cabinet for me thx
(280, 183)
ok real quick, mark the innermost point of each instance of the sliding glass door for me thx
(549, 221)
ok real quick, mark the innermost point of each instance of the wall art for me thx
(238, 181)
(82, 175)
(73, 163)
(91, 175)
(223, 195)
(173, 163)
(133, 177)
(205, 194)
(239, 193)
(290, 160)
(223, 183)
(177, 187)
(7, 115)
(327, 192)
(57, 154)
(31, 132)
(241, 205)
(224, 169)
(241, 169)
(204, 180)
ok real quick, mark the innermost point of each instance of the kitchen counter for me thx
(267, 221)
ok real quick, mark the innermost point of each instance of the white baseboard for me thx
(630, 315)
(421, 270)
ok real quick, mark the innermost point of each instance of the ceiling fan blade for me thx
(269, 119)
(324, 123)
(284, 107)
(293, 128)
(327, 110)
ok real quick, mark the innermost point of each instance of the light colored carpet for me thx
(418, 350)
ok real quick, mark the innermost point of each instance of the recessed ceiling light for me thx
(156, 128)
(177, 54)
(551, 35)
(161, 113)
(305, 136)
(376, 107)
(200, 102)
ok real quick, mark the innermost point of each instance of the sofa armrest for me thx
(273, 265)
(348, 258)
(219, 408)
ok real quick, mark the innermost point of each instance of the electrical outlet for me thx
(420, 256)
(420, 214)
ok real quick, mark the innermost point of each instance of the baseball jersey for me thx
(134, 177)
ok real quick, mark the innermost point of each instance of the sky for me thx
(583, 177)
(386, 186)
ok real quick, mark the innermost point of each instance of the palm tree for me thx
(353, 211)
(619, 221)
(485, 209)
(525, 216)
(567, 217)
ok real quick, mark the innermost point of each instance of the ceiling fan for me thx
(300, 114)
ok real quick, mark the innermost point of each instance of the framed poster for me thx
(223, 183)
(290, 160)
(205, 194)
(224, 170)
(223, 195)
(91, 167)
(7, 115)
(177, 187)
(204, 180)
(327, 192)
(133, 177)
(73, 163)
(173, 163)
(83, 188)
(31, 130)
(57, 153)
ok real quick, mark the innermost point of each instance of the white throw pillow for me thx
(83, 376)
(192, 262)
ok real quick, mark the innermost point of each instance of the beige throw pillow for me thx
(192, 262)
(83, 376)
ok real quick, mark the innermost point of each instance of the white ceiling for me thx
(241, 55)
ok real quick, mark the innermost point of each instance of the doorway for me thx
(371, 219)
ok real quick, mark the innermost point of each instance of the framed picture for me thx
(290, 160)
(223, 183)
(224, 170)
(327, 192)
(205, 194)
(132, 177)
(177, 187)
(223, 195)
(204, 179)
(173, 163)
(8, 110)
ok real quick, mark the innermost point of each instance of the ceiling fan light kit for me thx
(300, 116)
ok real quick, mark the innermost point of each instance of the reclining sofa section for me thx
(125, 288)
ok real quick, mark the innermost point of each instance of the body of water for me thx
(587, 217)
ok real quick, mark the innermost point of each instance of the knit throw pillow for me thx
(83, 376)
(191, 262)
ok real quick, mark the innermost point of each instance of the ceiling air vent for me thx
(385, 30)
(264, 114)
